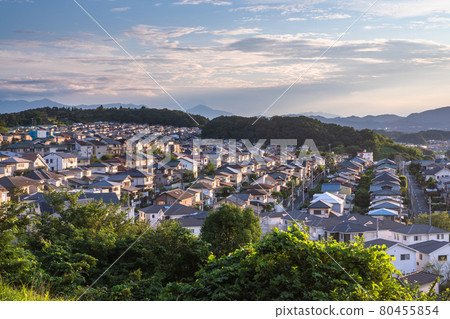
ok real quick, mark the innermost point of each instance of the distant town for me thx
(332, 196)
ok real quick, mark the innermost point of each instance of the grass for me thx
(8, 293)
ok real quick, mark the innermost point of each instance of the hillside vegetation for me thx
(420, 138)
(143, 115)
(343, 139)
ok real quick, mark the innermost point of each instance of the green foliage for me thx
(362, 195)
(403, 181)
(74, 246)
(66, 115)
(430, 183)
(106, 157)
(24, 293)
(439, 220)
(419, 138)
(209, 169)
(95, 160)
(226, 191)
(229, 228)
(188, 176)
(346, 139)
(288, 266)
(17, 265)
(317, 189)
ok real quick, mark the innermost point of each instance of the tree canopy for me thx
(289, 266)
(66, 115)
(440, 220)
(343, 139)
(229, 228)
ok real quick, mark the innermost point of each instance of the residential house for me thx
(435, 254)
(61, 161)
(36, 161)
(424, 280)
(154, 214)
(403, 256)
(417, 233)
(175, 196)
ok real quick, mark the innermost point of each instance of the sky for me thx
(248, 57)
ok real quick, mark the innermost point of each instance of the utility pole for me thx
(429, 209)
(377, 228)
(201, 199)
(303, 190)
(292, 198)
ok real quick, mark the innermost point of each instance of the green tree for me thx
(431, 183)
(289, 266)
(439, 220)
(188, 176)
(229, 228)
(209, 169)
(17, 265)
(162, 255)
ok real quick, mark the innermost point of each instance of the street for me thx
(417, 197)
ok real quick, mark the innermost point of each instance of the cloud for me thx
(296, 19)
(120, 9)
(285, 7)
(160, 36)
(234, 32)
(195, 2)
(332, 16)
(401, 8)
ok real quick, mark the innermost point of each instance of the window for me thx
(404, 237)
(317, 212)
(153, 216)
(404, 257)
(442, 258)
(416, 238)
(420, 256)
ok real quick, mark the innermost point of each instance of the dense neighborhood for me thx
(338, 196)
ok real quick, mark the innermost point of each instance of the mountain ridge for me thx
(435, 119)
(12, 106)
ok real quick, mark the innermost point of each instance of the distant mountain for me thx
(208, 112)
(313, 114)
(437, 119)
(22, 105)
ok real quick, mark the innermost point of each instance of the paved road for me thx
(418, 200)
(298, 202)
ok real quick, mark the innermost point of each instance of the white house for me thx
(337, 202)
(435, 253)
(61, 161)
(403, 257)
(84, 149)
(417, 233)
(437, 173)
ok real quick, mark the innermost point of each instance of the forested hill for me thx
(420, 138)
(66, 115)
(342, 138)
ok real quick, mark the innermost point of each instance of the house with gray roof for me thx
(416, 233)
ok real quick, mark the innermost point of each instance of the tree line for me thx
(69, 115)
(342, 139)
(59, 256)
